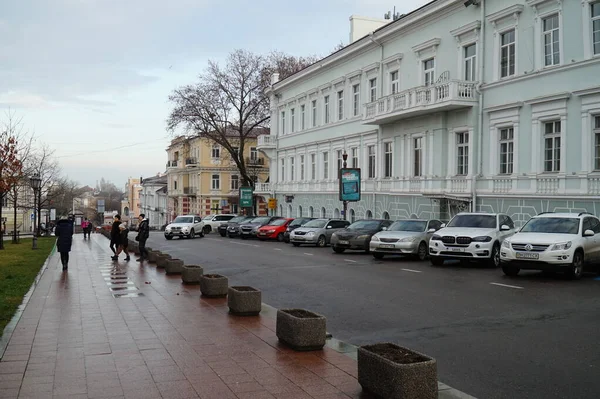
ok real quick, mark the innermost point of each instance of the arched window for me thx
(126, 211)
(289, 211)
(280, 210)
(352, 216)
(369, 215)
(323, 212)
(311, 212)
(386, 216)
(299, 211)
(336, 213)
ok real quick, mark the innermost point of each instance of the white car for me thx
(187, 226)
(553, 242)
(471, 236)
(212, 222)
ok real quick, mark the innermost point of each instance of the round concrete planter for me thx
(152, 255)
(161, 260)
(244, 301)
(214, 285)
(301, 329)
(391, 371)
(174, 266)
(191, 274)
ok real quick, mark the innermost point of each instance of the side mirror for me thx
(589, 233)
(504, 228)
(384, 228)
(330, 227)
(430, 231)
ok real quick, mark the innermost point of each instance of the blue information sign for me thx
(350, 184)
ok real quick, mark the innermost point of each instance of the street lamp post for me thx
(344, 166)
(35, 183)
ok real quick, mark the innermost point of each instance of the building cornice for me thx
(394, 59)
(432, 43)
(515, 11)
(504, 107)
(547, 99)
(587, 92)
(468, 28)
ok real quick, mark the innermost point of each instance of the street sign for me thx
(101, 207)
(52, 214)
(350, 184)
(33, 216)
(272, 203)
(246, 194)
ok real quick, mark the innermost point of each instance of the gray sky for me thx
(91, 77)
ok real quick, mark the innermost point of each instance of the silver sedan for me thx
(405, 237)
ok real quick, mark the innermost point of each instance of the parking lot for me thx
(494, 336)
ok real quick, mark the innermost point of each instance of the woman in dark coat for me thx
(64, 234)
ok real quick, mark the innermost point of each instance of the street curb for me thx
(444, 391)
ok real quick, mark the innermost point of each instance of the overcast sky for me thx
(91, 77)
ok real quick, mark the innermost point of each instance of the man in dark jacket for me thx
(142, 236)
(114, 236)
(64, 234)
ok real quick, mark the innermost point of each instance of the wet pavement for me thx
(109, 329)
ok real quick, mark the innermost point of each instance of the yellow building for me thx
(203, 179)
(130, 205)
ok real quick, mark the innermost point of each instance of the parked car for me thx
(188, 226)
(471, 236)
(233, 227)
(250, 229)
(317, 232)
(273, 230)
(565, 242)
(358, 235)
(233, 222)
(405, 237)
(293, 226)
(212, 222)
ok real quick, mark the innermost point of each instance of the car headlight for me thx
(270, 231)
(374, 238)
(288, 230)
(562, 246)
(482, 239)
(436, 237)
(506, 244)
(363, 237)
(409, 239)
(310, 234)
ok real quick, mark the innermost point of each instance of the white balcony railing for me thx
(266, 141)
(262, 188)
(419, 97)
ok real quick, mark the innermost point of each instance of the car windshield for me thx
(408, 225)
(261, 220)
(238, 219)
(297, 222)
(474, 221)
(209, 217)
(182, 219)
(552, 225)
(278, 222)
(364, 225)
(318, 223)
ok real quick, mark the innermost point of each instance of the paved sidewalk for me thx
(100, 331)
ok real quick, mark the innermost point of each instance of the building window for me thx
(596, 27)
(597, 143)
(470, 54)
(507, 53)
(292, 169)
(282, 122)
(506, 150)
(355, 100)
(371, 157)
(301, 167)
(418, 156)
(235, 182)
(313, 166)
(551, 40)
(302, 117)
(354, 157)
(216, 151)
(282, 163)
(293, 120)
(373, 90)
(429, 71)
(314, 113)
(462, 153)
(216, 182)
(552, 132)
(325, 165)
(340, 99)
(387, 159)
(395, 82)
(326, 108)
(253, 153)
(235, 208)
(236, 151)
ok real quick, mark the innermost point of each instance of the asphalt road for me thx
(532, 336)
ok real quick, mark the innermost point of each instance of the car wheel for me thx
(576, 269)
(377, 255)
(436, 261)
(338, 250)
(201, 234)
(280, 237)
(494, 260)
(207, 229)
(169, 238)
(510, 270)
(286, 240)
(321, 242)
(192, 234)
(223, 234)
(295, 244)
(422, 252)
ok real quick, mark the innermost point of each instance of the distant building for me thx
(154, 200)
(130, 205)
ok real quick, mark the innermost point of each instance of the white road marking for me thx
(277, 249)
(508, 286)
(350, 260)
(412, 271)
(243, 243)
(308, 253)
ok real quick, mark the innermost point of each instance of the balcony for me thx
(266, 142)
(190, 191)
(262, 188)
(444, 96)
(191, 162)
(171, 164)
(255, 161)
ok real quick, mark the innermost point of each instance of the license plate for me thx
(527, 255)
(386, 246)
(458, 250)
(344, 242)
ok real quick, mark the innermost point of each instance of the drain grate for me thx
(129, 295)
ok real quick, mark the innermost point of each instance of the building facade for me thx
(154, 200)
(130, 205)
(202, 178)
(494, 107)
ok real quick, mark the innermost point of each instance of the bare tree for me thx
(43, 164)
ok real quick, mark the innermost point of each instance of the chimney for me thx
(275, 78)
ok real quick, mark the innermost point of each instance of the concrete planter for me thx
(301, 329)
(214, 285)
(191, 274)
(174, 266)
(391, 371)
(244, 301)
(161, 260)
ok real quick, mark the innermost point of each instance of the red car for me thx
(273, 230)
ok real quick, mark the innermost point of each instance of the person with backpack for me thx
(114, 236)
(64, 240)
(123, 240)
(142, 236)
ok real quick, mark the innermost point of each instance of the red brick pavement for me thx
(76, 340)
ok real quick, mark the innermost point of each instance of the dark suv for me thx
(231, 228)
(293, 226)
(358, 234)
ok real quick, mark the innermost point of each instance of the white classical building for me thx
(154, 199)
(492, 106)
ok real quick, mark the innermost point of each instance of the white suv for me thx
(553, 242)
(212, 222)
(187, 226)
(471, 236)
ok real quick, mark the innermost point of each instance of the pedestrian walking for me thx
(64, 234)
(123, 240)
(114, 236)
(86, 226)
(142, 236)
